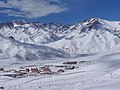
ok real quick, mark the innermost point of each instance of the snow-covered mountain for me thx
(11, 48)
(34, 45)
(39, 40)
(93, 35)
(34, 33)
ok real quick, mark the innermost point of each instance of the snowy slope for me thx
(103, 74)
(23, 51)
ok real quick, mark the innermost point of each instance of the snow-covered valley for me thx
(102, 73)
(39, 56)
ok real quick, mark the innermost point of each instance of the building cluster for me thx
(40, 70)
(30, 71)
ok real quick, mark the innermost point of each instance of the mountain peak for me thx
(21, 22)
(92, 21)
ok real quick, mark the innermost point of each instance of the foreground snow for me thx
(102, 74)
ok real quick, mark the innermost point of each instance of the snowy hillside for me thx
(11, 48)
(96, 72)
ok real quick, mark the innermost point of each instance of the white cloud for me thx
(13, 13)
(31, 8)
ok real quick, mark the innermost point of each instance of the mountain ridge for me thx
(90, 36)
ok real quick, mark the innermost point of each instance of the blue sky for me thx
(61, 11)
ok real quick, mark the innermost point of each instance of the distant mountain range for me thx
(35, 40)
